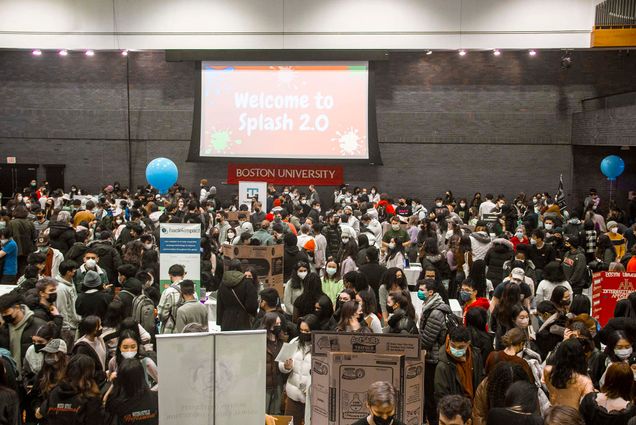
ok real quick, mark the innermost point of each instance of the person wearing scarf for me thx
(460, 368)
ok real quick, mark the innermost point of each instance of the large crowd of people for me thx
(85, 303)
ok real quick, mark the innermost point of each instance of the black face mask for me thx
(389, 309)
(52, 297)
(38, 347)
(304, 337)
(98, 332)
(8, 319)
(277, 330)
(381, 421)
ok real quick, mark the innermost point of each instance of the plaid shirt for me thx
(590, 241)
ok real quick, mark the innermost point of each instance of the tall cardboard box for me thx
(351, 376)
(267, 260)
(371, 346)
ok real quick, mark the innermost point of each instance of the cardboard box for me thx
(267, 260)
(331, 406)
(325, 342)
(283, 420)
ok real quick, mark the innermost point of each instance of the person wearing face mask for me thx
(350, 220)
(331, 281)
(618, 350)
(19, 326)
(9, 255)
(468, 295)
(92, 344)
(131, 396)
(393, 255)
(332, 233)
(273, 378)
(402, 314)
(298, 367)
(352, 318)
(460, 369)
(128, 347)
(62, 234)
(441, 212)
(42, 301)
(382, 405)
(91, 260)
(541, 253)
(396, 232)
(51, 373)
(295, 286)
(575, 265)
(514, 342)
(618, 241)
(258, 215)
(34, 357)
(462, 210)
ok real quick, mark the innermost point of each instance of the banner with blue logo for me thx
(180, 243)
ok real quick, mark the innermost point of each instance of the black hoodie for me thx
(65, 406)
(141, 410)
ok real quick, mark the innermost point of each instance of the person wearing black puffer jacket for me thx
(76, 400)
(130, 287)
(402, 319)
(61, 234)
(501, 251)
(292, 255)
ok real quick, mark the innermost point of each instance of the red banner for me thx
(608, 289)
(297, 175)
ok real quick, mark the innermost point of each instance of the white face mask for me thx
(623, 353)
(392, 245)
(91, 264)
(345, 240)
(128, 354)
(548, 226)
(148, 245)
(395, 227)
(523, 323)
(519, 235)
(118, 221)
(231, 235)
(331, 271)
(614, 230)
(302, 275)
(462, 205)
(4, 241)
(533, 241)
(438, 204)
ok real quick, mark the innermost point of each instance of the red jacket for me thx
(479, 303)
(515, 241)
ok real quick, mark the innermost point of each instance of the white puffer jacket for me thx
(299, 381)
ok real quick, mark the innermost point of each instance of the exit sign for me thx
(11, 160)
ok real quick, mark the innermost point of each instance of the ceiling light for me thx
(462, 52)
(63, 52)
(430, 52)
(90, 53)
(496, 52)
(37, 52)
(124, 52)
(532, 53)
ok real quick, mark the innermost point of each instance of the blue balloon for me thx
(162, 173)
(612, 166)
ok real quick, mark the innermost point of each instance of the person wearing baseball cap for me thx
(55, 346)
(54, 257)
(619, 242)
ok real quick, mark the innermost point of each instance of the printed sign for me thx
(298, 175)
(608, 289)
(252, 191)
(180, 243)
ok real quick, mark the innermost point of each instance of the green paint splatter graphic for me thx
(221, 140)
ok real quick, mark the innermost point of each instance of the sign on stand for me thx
(608, 289)
(180, 243)
(250, 191)
(212, 378)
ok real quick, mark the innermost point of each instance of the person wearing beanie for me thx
(618, 241)
(574, 264)
(19, 326)
(94, 299)
(292, 255)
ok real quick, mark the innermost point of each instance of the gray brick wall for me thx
(478, 123)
